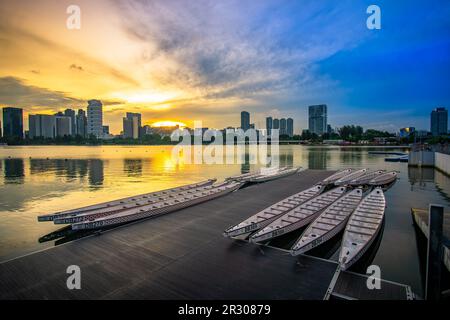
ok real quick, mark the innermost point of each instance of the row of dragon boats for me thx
(354, 203)
(122, 211)
(326, 209)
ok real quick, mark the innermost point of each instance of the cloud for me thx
(239, 49)
(15, 92)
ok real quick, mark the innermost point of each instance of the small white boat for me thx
(384, 179)
(266, 216)
(362, 228)
(273, 175)
(298, 217)
(346, 179)
(159, 208)
(125, 201)
(365, 179)
(329, 223)
(336, 176)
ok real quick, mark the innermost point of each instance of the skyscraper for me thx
(318, 119)
(71, 114)
(245, 120)
(95, 118)
(269, 123)
(13, 122)
(290, 127)
(283, 126)
(42, 125)
(276, 124)
(439, 122)
(132, 125)
(81, 121)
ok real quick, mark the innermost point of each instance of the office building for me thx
(283, 126)
(71, 114)
(317, 119)
(406, 132)
(13, 123)
(132, 125)
(269, 124)
(439, 122)
(81, 123)
(276, 124)
(105, 130)
(95, 118)
(245, 120)
(290, 127)
(41, 126)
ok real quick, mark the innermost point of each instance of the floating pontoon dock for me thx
(183, 255)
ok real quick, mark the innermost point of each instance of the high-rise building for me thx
(245, 120)
(283, 126)
(41, 125)
(269, 124)
(106, 130)
(132, 125)
(290, 127)
(318, 119)
(81, 121)
(13, 122)
(276, 124)
(95, 118)
(63, 126)
(439, 122)
(1, 129)
(71, 114)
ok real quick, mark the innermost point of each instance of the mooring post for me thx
(434, 252)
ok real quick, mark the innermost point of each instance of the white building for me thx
(95, 118)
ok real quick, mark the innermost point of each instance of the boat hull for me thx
(151, 213)
(116, 203)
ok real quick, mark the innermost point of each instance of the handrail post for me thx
(434, 252)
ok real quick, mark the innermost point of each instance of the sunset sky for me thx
(208, 60)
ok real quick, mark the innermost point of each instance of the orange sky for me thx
(62, 68)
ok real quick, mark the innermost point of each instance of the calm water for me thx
(39, 180)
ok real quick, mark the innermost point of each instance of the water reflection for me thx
(96, 175)
(132, 167)
(14, 171)
(317, 158)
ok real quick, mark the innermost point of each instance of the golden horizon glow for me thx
(168, 123)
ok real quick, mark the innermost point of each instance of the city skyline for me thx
(267, 58)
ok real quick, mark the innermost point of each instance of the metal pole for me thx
(434, 254)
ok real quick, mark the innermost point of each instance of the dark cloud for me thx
(14, 92)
